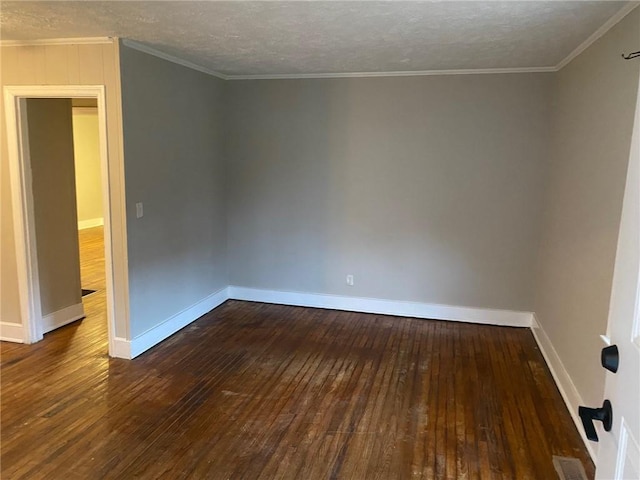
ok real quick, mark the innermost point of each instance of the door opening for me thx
(30, 204)
(90, 220)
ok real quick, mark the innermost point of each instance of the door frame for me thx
(23, 209)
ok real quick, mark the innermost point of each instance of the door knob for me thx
(610, 358)
(588, 415)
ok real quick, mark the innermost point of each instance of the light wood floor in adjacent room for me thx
(256, 391)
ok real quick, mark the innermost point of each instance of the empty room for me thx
(320, 240)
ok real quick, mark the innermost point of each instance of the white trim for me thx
(178, 321)
(194, 66)
(568, 390)
(143, 342)
(11, 332)
(409, 73)
(84, 110)
(171, 58)
(534, 321)
(121, 348)
(385, 307)
(608, 25)
(186, 63)
(92, 222)
(23, 217)
(623, 12)
(57, 41)
(24, 225)
(62, 317)
(118, 228)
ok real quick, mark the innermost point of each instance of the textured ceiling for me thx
(244, 38)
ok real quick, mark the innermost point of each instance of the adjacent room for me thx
(322, 239)
(90, 215)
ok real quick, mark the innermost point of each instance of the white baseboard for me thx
(11, 332)
(124, 348)
(92, 222)
(62, 317)
(385, 307)
(121, 348)
(568, 390)
(130, 349)
(170, 326)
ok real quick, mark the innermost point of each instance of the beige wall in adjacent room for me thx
(59, 65)
(424, 188)
(50, 135)
(86, 147)
(594, 101)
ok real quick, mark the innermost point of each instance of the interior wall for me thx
(594, 101)
(425, 189)
(86, 147)
(430, 189)
(172, 119)
(50, 135)
(59, 65)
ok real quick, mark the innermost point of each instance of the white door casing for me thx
(619, 451)
(24, 227)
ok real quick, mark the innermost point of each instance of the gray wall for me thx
(594, 101)
(424, 188)
(50, 135)
(177, 251)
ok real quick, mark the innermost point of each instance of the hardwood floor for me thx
(92, 258)
(257, 391)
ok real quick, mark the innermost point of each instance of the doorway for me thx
(25, 192)
(90, 220)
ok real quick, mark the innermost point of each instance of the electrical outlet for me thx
(350, 280)
(139, 210)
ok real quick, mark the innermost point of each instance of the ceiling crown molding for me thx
(410, 73)
(171, 58)
(57, 41)
(608, 25)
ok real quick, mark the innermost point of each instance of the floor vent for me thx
(569, 468)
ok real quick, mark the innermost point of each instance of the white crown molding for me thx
(409, 73)
(171, 58)
(608, 25)
(614, 20)
(186, 63)
(57, 41)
